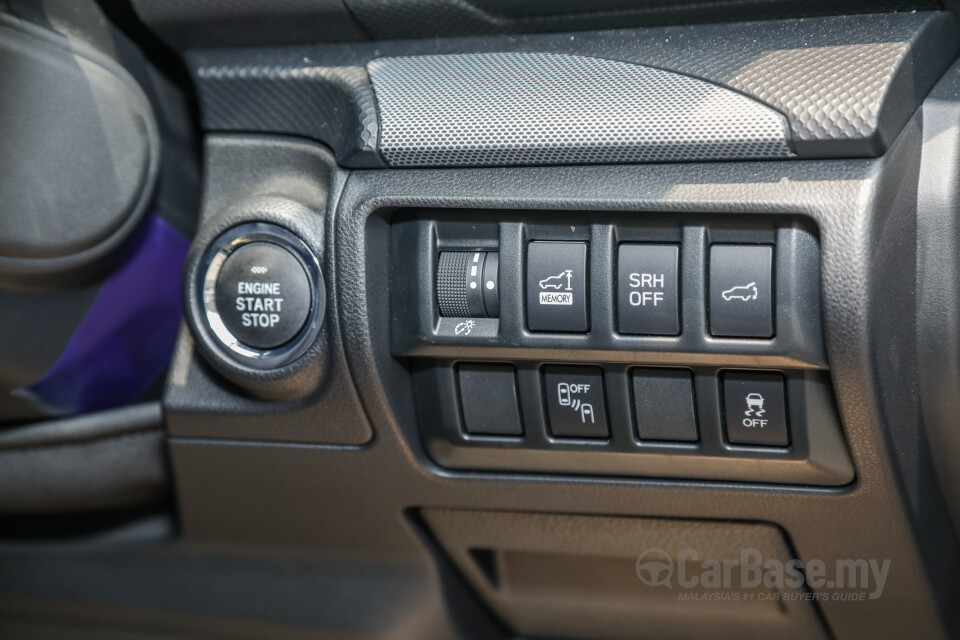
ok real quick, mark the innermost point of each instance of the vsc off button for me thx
(263, 295)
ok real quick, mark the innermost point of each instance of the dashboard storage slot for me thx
(571, 576)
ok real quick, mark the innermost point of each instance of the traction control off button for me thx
(263, 295)
(756, 408)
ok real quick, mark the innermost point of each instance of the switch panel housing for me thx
(623, 370)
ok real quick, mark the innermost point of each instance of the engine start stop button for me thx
(263, 295)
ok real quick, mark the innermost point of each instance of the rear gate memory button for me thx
(557, 286)
(263, 295)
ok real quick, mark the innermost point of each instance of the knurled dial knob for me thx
(468, 284)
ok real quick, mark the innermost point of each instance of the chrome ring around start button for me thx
(307, 316)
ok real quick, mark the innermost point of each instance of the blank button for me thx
(665, 404)
(488, 394)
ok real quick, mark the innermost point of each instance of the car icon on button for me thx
(745, 293)
(558, 281)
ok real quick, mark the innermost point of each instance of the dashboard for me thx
(479, 319)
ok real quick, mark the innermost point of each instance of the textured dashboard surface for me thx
(830, 92)
(330, 103)
(188, 24)
(234, 23)
(846, 84)
(107, 460)
(389, 19)
(542, 108)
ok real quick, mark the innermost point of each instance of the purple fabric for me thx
(127, 337)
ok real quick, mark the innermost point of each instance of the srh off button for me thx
(648, 300)
(263, 295)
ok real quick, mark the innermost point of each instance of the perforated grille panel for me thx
(541, 108)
